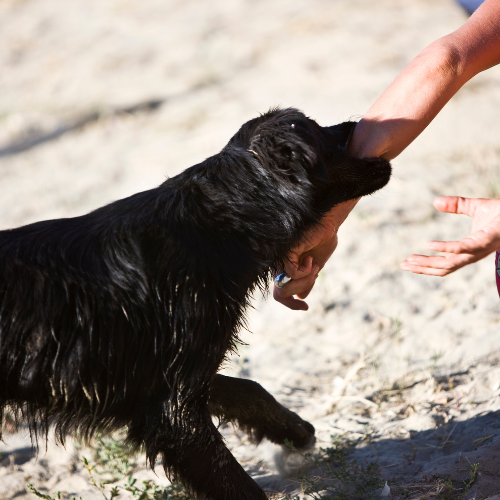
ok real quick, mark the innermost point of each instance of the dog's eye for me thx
(292, 125)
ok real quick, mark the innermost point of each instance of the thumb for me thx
(297, 270)
(456, 205)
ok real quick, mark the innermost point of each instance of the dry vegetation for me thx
(398, 373)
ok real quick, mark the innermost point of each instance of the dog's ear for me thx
(281, 149)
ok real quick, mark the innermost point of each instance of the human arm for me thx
(417, 95)
(400, 115)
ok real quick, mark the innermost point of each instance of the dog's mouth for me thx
(353, 177)
(367, 175)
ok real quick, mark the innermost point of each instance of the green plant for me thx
(150, 490)
(335, 477)
(474, 469)
(46, 497)
(113, 458)
(115, 461)
(114, 492)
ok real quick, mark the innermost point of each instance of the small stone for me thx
(386, 491)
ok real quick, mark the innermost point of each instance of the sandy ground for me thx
(410, 361)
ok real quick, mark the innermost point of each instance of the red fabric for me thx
(497, 271)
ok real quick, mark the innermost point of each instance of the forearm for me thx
(408, 105)
(418, 94)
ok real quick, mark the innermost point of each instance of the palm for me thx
(483, 240)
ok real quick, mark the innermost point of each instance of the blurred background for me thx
(211, 65)
(103, 98)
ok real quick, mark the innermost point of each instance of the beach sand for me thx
(405, 364)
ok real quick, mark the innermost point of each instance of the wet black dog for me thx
(123, 316)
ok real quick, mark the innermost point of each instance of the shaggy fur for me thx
(122, 317)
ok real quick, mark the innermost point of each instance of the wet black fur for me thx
(122, 317)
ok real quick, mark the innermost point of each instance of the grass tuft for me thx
(115, 462)
(335, 476)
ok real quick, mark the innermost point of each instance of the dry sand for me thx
(425, 350)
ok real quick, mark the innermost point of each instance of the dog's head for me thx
(309, 159)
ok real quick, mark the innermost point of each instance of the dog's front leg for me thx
(249, 405)
(193, 452)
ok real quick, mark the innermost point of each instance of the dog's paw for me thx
(303, 435)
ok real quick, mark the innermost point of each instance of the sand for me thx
(410, 361)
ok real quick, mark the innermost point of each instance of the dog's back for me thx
(74, 296)
(122, 317)
(102, 304)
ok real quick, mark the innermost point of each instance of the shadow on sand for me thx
(446, 452)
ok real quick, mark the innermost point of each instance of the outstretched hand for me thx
(309, 256)
(483, 240)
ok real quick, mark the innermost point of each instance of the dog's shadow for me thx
(432, 456)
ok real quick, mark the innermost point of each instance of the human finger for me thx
(298, 270)
(290, 301)
(457, 205)
(304, 293)
(429, 271)
(296, 287)
(300, 287)
(465, 245)
(482, 242)
(306, 284)
(450, 262)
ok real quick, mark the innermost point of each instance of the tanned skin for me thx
(395, 120)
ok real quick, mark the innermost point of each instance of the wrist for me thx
(333, 219)
(369, 139)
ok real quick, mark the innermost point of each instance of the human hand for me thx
(310, 255)
(483, 240)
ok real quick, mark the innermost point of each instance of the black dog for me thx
(123, 316)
